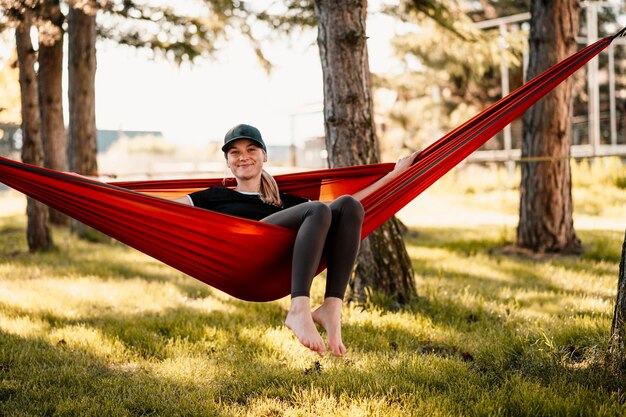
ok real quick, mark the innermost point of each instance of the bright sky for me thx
(193, 104)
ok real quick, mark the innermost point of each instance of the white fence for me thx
(601, 142)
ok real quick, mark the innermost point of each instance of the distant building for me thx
(106, 138)
(279, 154)
(11, 138)
(313, 154)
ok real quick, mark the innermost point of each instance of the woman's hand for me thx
(404, 163)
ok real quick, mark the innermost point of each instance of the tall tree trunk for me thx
(617, 345)
(51, 92)
(383, 264)
(82, 101)
(545, 223)
(82, 75)
(37, 230)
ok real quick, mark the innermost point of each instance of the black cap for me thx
(243, 131)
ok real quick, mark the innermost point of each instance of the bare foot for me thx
(300, 321)
(328, 315)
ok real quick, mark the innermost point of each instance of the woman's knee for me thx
(320, 211)
(348, 204)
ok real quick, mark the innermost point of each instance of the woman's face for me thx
(245, 159)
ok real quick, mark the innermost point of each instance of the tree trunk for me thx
(617, 345)
(545, 223)
(82, 102)
(82, 75)
(37, 230)
(383, 264)
(51, 92)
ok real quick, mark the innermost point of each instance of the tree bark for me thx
(82, 75)
(546, 223)
(617, 345)
(383, 264)
(37, 230)
(51, 92)
(82, 101)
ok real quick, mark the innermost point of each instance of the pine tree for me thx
(38, 230)
(546, 223)
(383, 263)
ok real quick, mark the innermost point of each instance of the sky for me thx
(192, 104)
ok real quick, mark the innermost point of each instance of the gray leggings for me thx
(332, 230)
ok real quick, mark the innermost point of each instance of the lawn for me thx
(98, 329)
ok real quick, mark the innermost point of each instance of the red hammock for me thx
(248, 259)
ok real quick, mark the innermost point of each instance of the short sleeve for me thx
(203, 199)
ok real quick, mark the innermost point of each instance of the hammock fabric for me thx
(248, 259)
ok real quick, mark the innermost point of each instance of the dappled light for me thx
(480, 315)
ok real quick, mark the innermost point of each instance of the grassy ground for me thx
(99, 329)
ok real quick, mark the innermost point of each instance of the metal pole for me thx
(612, 104)
(594, 89)
(525, 59)
(292, 146)
(504, 73)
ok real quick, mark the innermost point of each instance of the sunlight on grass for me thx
(86, 338)
(23, 326)
(88, 297)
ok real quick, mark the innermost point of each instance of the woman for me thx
(332, 230)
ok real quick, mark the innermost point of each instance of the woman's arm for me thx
(184, 200)
(402, 165)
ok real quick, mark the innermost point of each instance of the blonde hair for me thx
(269, 190)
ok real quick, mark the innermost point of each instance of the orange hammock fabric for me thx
(248, 259)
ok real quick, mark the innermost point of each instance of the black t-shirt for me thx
(228, 201)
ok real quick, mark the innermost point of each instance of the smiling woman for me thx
(330, 230)
(256, 195)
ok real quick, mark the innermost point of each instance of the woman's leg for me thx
(312, 221)
(342, 245)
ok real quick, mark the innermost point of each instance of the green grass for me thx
(99, 329)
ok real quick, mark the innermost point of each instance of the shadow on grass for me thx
(79, 261)
(147, 334)
(40, 378)
(521, 275)
(216, 339)
(520, 279)
(43, 379)
(599, 245)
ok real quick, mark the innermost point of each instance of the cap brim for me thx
(228, 144)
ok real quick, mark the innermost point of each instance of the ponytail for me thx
(269, 190)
